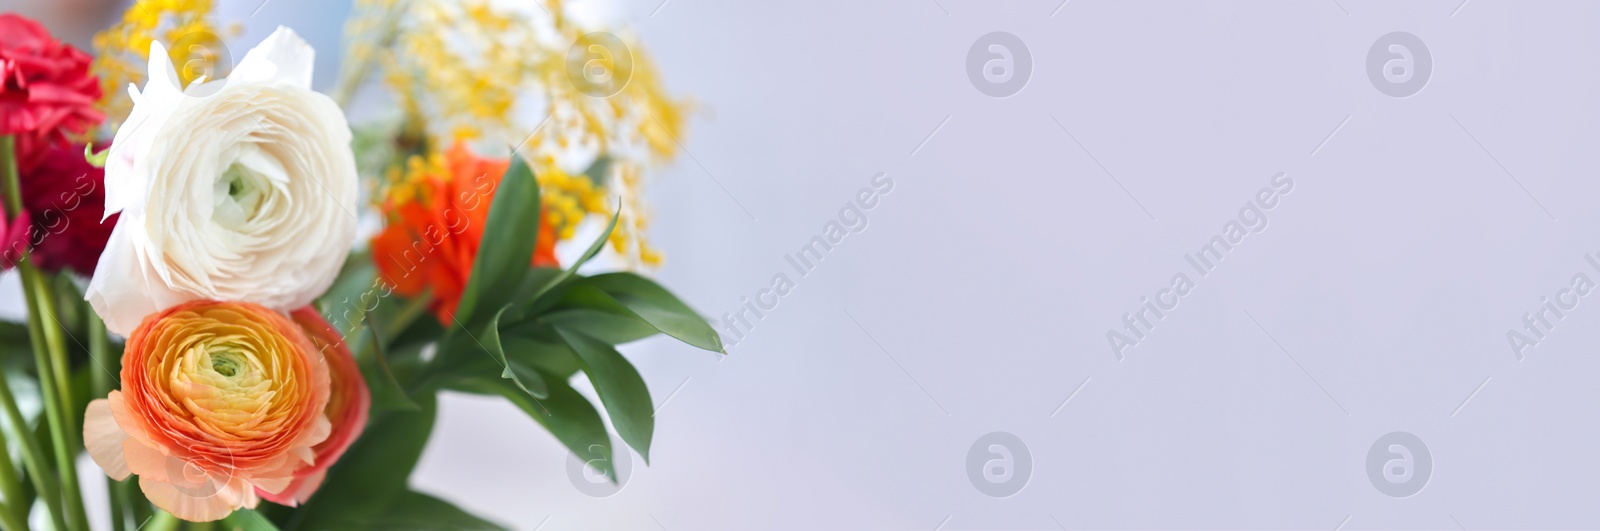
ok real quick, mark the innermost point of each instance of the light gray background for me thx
(1416, 236)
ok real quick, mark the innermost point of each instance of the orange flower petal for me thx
(439, 237)
(348, 407)
(219, 400)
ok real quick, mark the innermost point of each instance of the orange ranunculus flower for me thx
(348, 404)
(436, 215)
(218, 400)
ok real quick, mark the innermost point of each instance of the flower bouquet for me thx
(207, 318)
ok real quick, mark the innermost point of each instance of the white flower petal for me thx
(283, 57)
(125, 179)
(244, 194)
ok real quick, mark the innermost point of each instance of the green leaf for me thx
(588, 254)
(621, 389)
(387, 393)
(415, 510)
(360, 487)
(420, 332)
(612, 328)
(599, 243)
(513, 229)
(540, 350)
(588, 309)
(536, 291)
(247, 520)
(549, 355)
(565, 414)
(25, 393)
(98, 160)
(599, 171)
(527, 379)
(400, 315)
(69, 308)
(14, 335)
(353, 291)
(658, 307)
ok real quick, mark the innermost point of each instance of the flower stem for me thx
(53, 398)
(43, 478)
(162, 521)
(117, 504)
(11, 519)
(100, 378)
(50, 358)
(61, 429)
(13, 513)
(139, 506)
(32, 456)
(13, 184)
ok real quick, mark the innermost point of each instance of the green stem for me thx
(50, 322)
(50, 360)
(32, 456)
(54, 396)
(10, 518)
(140, 506)
(12, 183)
(117, 511)
(15, 510)
(162, 521)
(62, 434)
(100, 378)
(409, 313)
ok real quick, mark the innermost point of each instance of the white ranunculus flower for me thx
(247, 193)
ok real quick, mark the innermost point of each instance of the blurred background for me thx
(1397, 184)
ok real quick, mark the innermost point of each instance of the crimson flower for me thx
(46, 89)
(64, 196)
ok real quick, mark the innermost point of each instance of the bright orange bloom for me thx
(218, 400)
(348, 404)
(436, 216)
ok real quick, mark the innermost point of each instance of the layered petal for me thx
(103, 438)
(46, 90)
(437, 213)
(349, 402)
(240, 192)
(219, 400)
(64, 196)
